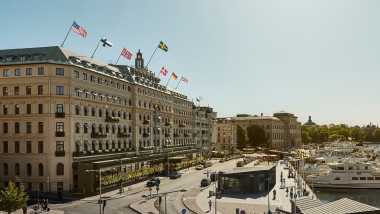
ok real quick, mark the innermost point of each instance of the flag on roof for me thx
(125, 53)
(163, 46)
(106, 42)
(174, 76)
(200, 98)
(185, 80)
(164, 71)
(78, 29)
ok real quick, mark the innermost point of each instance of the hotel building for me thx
(63, 114)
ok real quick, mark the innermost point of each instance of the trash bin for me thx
(211, 193)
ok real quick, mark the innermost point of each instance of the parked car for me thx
(175, 175)
(239, 164)
(221, 160)
(199, 167)
(205, 182)
(153, 182)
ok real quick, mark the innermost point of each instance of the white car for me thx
(199, 167)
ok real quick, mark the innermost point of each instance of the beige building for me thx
(226, 134)
(282, 129)
(63, 113)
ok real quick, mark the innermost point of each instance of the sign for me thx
(100, 201)
(242, 212)
(183, 211)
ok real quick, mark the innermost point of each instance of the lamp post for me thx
(100, 186)
(182, 190)
(168, 163)
(268, 179)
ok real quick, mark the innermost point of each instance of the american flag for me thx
(78, 29)
(164, 71)
(125, 53)
(185, 80)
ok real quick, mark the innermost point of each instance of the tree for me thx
(241, 137)
(256, 136)
(12, 198)
(357, 133)
(376, 135)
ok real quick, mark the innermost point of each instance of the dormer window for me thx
(36, 57)
(22, 58)
(8, 59)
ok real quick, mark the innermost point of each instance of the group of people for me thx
(298, 194)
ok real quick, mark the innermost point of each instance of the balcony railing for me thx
(187, 135)
(59, 134)
(146, 122)
(123, 135)
(98, 135)
(168, 123)
(146, 135)
(177, 135)
(182, 125)
(112, 119)
(60, 114)
(60, 153)
(167, 135)
(112, 151)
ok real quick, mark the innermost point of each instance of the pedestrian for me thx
(274, 194)
(287, 191)
(209, 204)
(24, 209)
(84, 189)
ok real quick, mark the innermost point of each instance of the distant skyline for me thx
(317, 58)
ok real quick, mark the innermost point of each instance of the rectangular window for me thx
(28, 127)
(92, 78)
(59, 127)
(40, 89)
(59, 90)
(28, 108)
(40, 147)
(59, 72)
(28, 90)
(41, 71)
(5, 109)
(59, 108)
(76, 74)
(22, 58)
(29, 71)
(84, 76)
(17, 109)
(6, 73)
(17, 146)
(5, 127)
(17, 72)
(60, 146)
(5, 146)
(40, 127)
(5, 91)
(17, 90)
(17, 127)
(28, 146)
(40, 108)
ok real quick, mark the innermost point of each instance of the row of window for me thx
(19, 147)
(40, 109)
(28, 90)
(28, 127)
(29, 71)
(60, 169)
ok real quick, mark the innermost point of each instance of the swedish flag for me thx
(163, 46)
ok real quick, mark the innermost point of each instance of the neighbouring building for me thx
(226, 129)
(65, 118)
(309, 123)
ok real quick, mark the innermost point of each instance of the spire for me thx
(139, 61)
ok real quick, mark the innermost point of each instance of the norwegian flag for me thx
(164, 71)
(125, 53)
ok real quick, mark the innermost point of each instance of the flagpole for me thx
(178, 84)
(66, 36)
(151, 57)
(168, 82)
(118, 59)
(158, 74)
(96, 47)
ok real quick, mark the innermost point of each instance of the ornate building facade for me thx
(63, 114)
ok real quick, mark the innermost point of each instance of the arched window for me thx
(40, 169)
(93, 112)
(29, 169)
(100, 113)
(17, 169)
(85, 111)
(60, 169)
(77, 110)
(5, 169)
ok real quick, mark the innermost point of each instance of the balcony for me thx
(182, 125)
(145, 148)
(168, 123)
(59, 134)
(112, 119)
(167, 135)
(123, 135)
(146, 122)
(146, 135)
(60, 114)
(60, 153)
(187, 135)
(177, 135)
(98, 135)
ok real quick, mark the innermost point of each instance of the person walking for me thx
(24, 209)
(209, 204)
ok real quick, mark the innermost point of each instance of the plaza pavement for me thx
(196, 200)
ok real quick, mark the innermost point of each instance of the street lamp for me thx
(168, 163)
(268, 179)
(100, 186)
(182, 190)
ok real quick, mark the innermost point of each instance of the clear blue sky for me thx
(318, 58)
